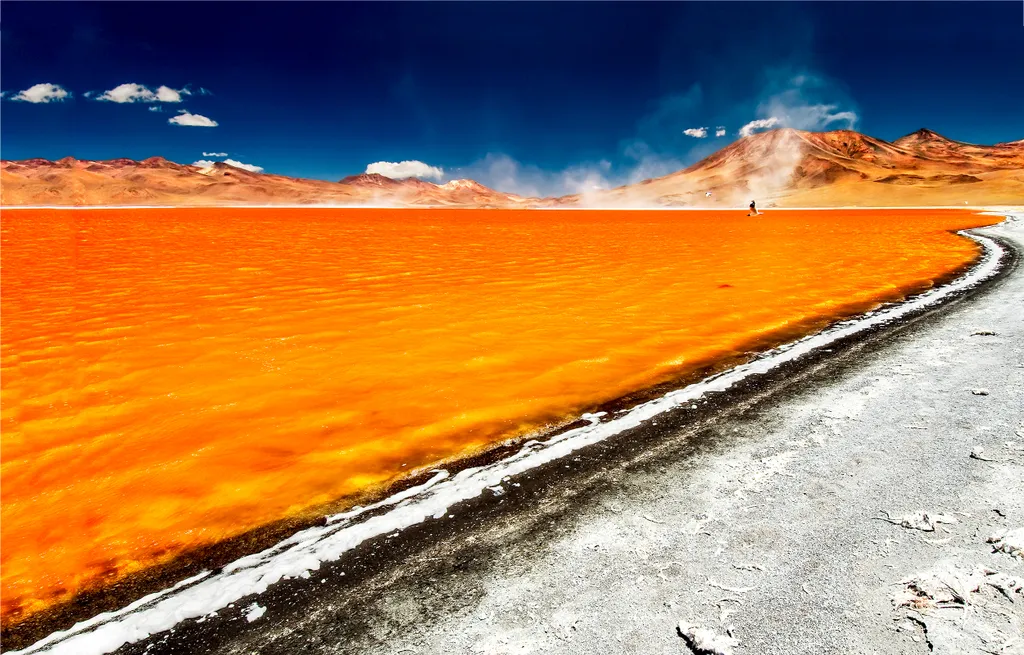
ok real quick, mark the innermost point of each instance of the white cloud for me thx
(191, 120)
(720, 130)
(44, 92)
(128, 92)
(131, 92)
(156, 108)
(405, 169)
(215, 154)
(245, 167)
(759, 124)
(808, 102)
(696, 132)
(207, 163)
(167, 94)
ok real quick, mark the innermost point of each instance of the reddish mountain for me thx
(784, 167)
(789, 167)
(158, 181)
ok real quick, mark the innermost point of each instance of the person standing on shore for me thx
(753, 209)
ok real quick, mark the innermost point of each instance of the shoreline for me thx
(981, 208)
(570, 438)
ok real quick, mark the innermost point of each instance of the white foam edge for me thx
(307, 549)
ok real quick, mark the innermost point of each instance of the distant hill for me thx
(783, 167)
(788, 167)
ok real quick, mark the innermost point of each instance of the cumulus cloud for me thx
(191, 120)
(215, 154)
(206, 163)
(156, 108)
(167, 94)
(44, 92)
(131, 92)
(696, 132)
(759, 124)
(720, 130)
(405, 169)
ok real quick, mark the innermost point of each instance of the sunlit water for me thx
(171, 378)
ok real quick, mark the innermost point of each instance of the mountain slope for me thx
(784, 167)
(789, 167)
(157, 181)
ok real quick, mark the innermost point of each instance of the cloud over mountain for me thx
(405, 169)
(207, 163)
(759, 124)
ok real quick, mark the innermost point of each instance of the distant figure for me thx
(707, 195)
(753, 209)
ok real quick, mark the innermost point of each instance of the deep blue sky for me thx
(323, 89)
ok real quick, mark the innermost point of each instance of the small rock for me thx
(706, 642)
(1010, 542)
(979, 392)
(984, 333)
(979, 454)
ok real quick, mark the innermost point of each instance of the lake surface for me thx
(175, 377)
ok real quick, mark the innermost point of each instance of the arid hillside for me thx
(157, 181)
(793, 168)
(784, 168)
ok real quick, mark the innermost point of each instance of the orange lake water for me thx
(174, 377)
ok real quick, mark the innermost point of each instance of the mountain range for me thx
(783, 167)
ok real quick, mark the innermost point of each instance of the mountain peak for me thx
(158, 162)
(923, 136)
(455, 185)
(369, 179)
